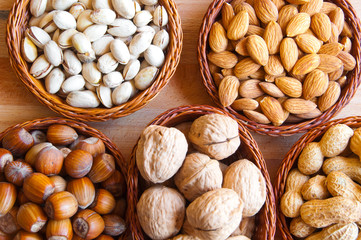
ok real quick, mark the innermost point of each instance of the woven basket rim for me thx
(197, 110)
(287, 129)
(290, 160)
(14, 33)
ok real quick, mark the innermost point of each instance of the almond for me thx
(228, 90)
(306, 64)
(266, 10)
(227, 72)
(238, 26)
(321, 26)
(273, 37)
(315, 84)
(224, 59)
(312, 7)
(349, 62)
(272, 78)
(255, 30)
(328, 7)
(274, 66)
(342, 81)
(310, 115)
(288, 53)
(218, 40)
(259, 74)
(347, 44)
(298, 24)
(285, 15)
(333, 76)
(346, 31)
(217, 78)
(250, 89)
(241, 47)
(298, 2)
(234, 3)
(308, 43)
(279, 3)
(330, 97)
(257, 49)
(273, 110)
(289, 86)
(253, 20)
(271, 89)
(256, 117)
(227, 14)
(299, 105)
(338, 18)
(331, 49)
(335, 34)
(246, 67)
(244, 104)
(329, 63)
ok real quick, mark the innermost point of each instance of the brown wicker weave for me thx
(286, 129)
(249, 149)
(290, 161)
(16, 26)
(81, 128)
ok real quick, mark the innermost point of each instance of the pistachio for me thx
(154, 56)
(56, 35)
(38, 36)
(161, 39)
(144, 64)
(142, 18)
(137, 6)
(87, 3)
(126, 40)
(107, 63)
(62, 4)
(150, 8)
(113, 79)
(103, 16)
(71, 63)
(95, 32)
(91, 73)
(87, 57)
(122, 28)
(124, 8)
(160, 16)
(122, 93)
(131, 69)
(83, 99)
(120, 51)
(65, 38)
(146, 29)
(54, 80)
(47, 23)
(145, 77)
(140, 43)
(102, 45)
(64, 20)
(37, 7)
(81, 43)
(134, 89)
(34, 21)
(53, 53)
(73, 83)
(29, 50)
(105, 95)
(102, 4)
(90, 87)
(76, 9)
(49, 6)
(41, 67)
(84, 20)
(149, 2)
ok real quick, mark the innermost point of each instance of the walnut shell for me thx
(160, 153)
(161, 212)
(214, 215)
(215, 135)
(247, 180)
(199, 174)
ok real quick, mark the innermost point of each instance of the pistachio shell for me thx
(76, 9)
(54, 80)
(142, 18)
(47, 23)
(107, 63)
(124, 8)
(122, 28)
(41, 67)
(71, 63)
(103, 16)
(56, 35)
(91, 73)
(102, 45)
(161, 39)
(64, 20)
(122, 93)
(53, 53)
(81, 43)
(149, 2)
(145, 77)
(83, 99)
(62, 4)
(154, 56)
(73, 83)
(120, 51)
(84, 20)
(140, 43)
(131, 69)
(95, 32)
(29, 50)
(160, 16)
(102, 4)
(87, 3)
(105, 95)
(37, 7)
(113, 79)
(65, 38)
(38, 36)
(87, 56)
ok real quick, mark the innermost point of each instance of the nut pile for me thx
(323, 194)
(96, 52)
(59, 185)
(280, 61)
(191, 189)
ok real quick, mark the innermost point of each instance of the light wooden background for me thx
(18, 105)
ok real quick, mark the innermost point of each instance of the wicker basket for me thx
(249, 149)
(290, 162)
(83, 129)
(16, 26)
(290, 128)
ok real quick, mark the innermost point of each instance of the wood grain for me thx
(18, 105)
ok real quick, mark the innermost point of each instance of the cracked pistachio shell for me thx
(87, 3)
(154, 56)
(150, 8)
(47, 23)
(73, 83)
(146, 29)
(83, 99)
(62, 4)
(126, 40)
(40, 67)
(56, 35)
(76, 9)
(160, 16)
(120, 51)
(125, 8)
(54, 80)
(87, 57)
(29, 50)
(144, 64)
(142, 18)
(145, 77)
(71, 63)
(169, 148)
(161, 212)
(102, 45)
(53, 53)
(215, 135)
(140, 43)
(90, 87)
(103, 16)
(81, 43)
(149, 2)
(64, 20)
(84, 20)
(105, 95)
(122, 93)
(34, 21)
(131, 69)
(113, 79)
(91, 73)
(65, 38)
(122, 28)
(95, 32)
(161, 39)
(37, 7)
(38, 36)
(107, 63)
(102, 4)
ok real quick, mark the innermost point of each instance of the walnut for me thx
(185, 237)
(246, 228)
(238, 238)
(214, 215)
(161, 212)
(247, 180)
(160, 153)
(199, 174)
(215, 135)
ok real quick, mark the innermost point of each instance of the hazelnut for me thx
(78, 163)
(38, 187)
(21, 199)
(17, 171)
(23, 235)
(103, 167)
(104, 202)
(59, 182)
(120, 207)
(61, 205)
(114, 225)
(115, 184)
(38, 136)
(59, 229)
(31, 155)
(88, 224)
(92, 145)
(8, 222)
(83, 190)
(104, 237)
(49, 161)
(31, 217)
(5, 158)
(18, 141)
(59, 134)
(7, 197)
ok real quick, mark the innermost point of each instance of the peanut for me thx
(300, 229)
(337, 232)
(355, 142)
(349, 166)
(339, 184)
(323, 213)
(335, 140)
(315, 188)
(311, 159)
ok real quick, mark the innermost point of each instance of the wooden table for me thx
(18, 105)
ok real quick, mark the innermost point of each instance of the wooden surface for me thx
(18, 105)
